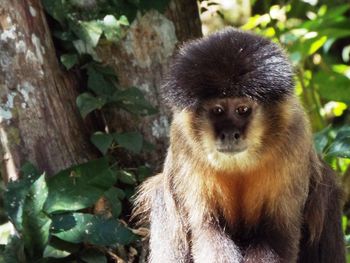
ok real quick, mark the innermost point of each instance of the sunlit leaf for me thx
(333, 86)
(17, 192)
(36, 223)
(315, 45)
(52, 252)
(91, 32)
(112, 27)
(123, 20)
(80, 186)
(6, 231)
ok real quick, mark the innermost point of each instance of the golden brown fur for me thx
(268, 198)
(271, 180)
(249, 181)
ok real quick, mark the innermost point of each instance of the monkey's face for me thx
(230, 131)
(230, 119)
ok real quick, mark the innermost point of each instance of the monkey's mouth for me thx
(231, 149)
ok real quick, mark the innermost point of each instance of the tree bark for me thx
(142, 58)
(39, 121)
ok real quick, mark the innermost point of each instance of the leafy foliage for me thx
(90, 181)
(309, 44)
(53, 216)
(48, 215)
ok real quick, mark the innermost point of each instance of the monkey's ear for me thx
(229, 63)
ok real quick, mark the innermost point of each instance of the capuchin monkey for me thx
(241, 181)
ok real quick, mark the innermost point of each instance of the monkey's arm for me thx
(168, 237)
(322, 240)
(211, 244)
(261, 254)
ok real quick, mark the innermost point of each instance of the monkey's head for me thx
(230, 90)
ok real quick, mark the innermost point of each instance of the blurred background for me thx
(82, 123)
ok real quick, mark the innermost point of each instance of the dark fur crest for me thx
(229, 63)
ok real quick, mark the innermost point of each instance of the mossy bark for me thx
(141, 60)
(39, 121)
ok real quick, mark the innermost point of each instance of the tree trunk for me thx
(39, 121)
(142, 58)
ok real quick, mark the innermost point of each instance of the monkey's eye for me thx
(217, 110)
(243, 110)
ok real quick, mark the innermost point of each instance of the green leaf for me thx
(343, 132)
(148, 146)
(133, 100)
(340, 148)
(87, 103)
(6, 230)
(131, 141)
(36, 224)
(111, 29)
(119, 192)
(316, 44)
(123, 20)
(58, 248)
(98, 83)
(93, 256)
(69, 60)
(16, 194)
(321, 140)
(29, 172)
(80, 186)
(102, 141)
(90, 32)
(126, 177)
(56, 8)
(113, 197)
(333, 86)
(83, 48)
(143, 172)
(344, 223)
(52, 252)
(337, 11)
(334, 33)
(14, 251)
(93, 229)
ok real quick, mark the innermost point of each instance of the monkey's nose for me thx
(229, 135)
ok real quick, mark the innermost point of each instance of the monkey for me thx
(241, 181)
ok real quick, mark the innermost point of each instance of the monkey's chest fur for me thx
(242, 198)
